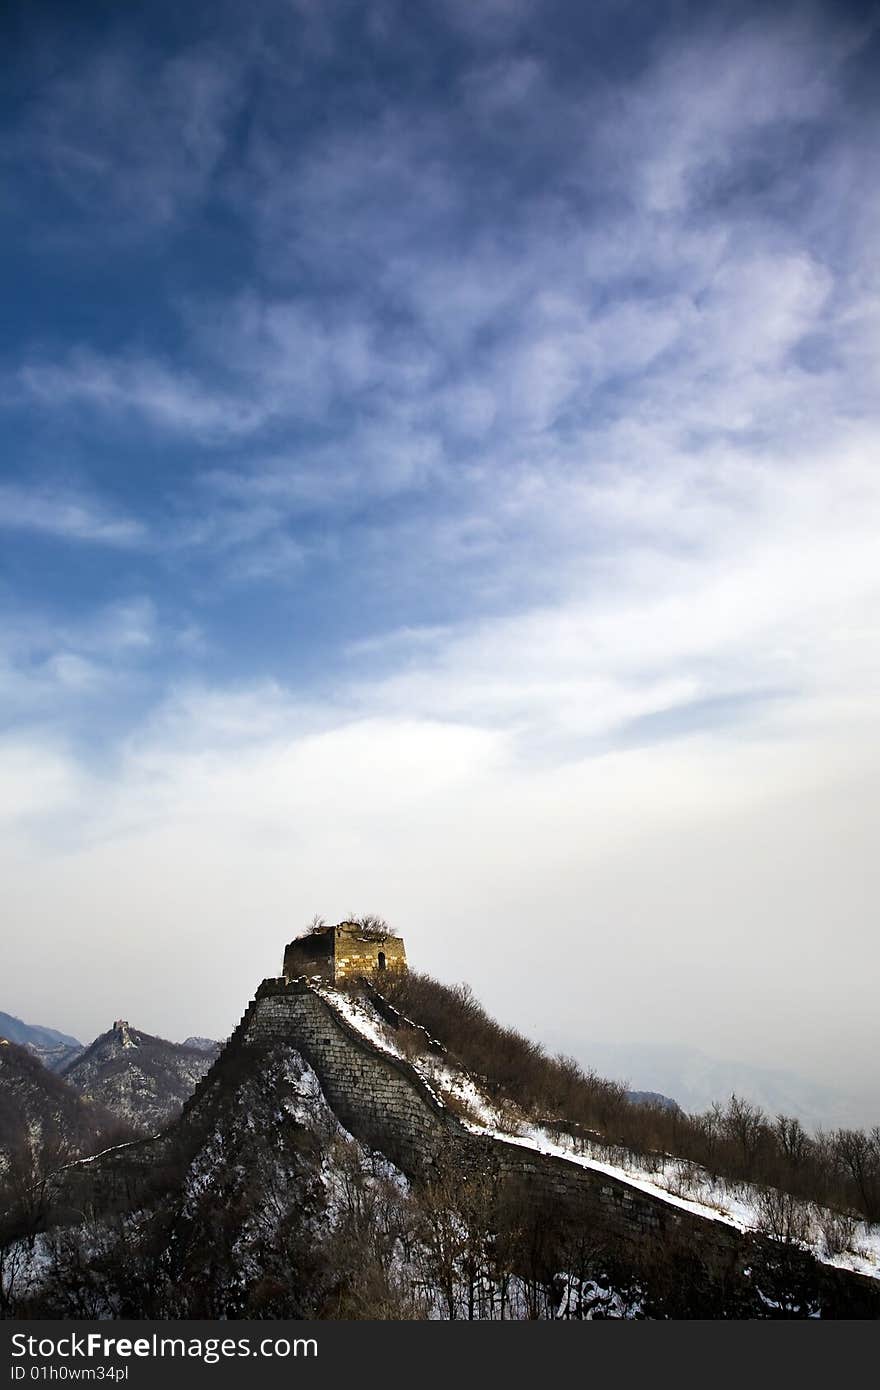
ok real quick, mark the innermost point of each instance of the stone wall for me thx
(360, 955)
(381, 1099)
(385, 1103)
(310, 955)
(343, 952)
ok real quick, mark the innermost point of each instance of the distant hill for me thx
(54, 1049)
(652, 1098)
(697, 1080)
(142, 1079)
(42, 1117)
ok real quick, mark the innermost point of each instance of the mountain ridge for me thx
(416, 1117)
(53, 1048)
(140, 1077)
(236, 1169)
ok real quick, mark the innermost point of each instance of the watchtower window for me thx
(381, 960)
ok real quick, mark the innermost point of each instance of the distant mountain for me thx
(43, 1118)
(653, 1098)
(54, 1049)
(142, 1079)
(697, 1080)
(203, 1044)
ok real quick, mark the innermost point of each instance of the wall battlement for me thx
(384, 1101)
(345, 951)
(386, 1104)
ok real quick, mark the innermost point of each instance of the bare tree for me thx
(859, 1154)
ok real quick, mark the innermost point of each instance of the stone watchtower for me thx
(346, 950)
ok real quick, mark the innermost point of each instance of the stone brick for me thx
(345, 951)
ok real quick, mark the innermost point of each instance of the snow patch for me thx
(669, 1179)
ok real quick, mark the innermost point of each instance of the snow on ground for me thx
(79, 1162)
(364, 1018)
(361, 1016)
(680, 1183)
(713, 1199)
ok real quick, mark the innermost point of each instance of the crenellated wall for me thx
(386, 1104)
(343, 952)
(380, 1098)
(359, 954)
(384, 1101)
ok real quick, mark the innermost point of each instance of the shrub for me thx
(737, 1141)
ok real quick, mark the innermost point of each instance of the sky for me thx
(440, 480)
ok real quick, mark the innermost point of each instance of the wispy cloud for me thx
(137, 134)
(66, 671)
(140, 387)
(494, 453)
(68, 515)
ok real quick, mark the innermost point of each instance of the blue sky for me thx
(439, 477)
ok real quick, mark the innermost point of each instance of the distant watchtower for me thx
(338, 953)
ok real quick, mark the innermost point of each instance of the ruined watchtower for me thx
(340, 952)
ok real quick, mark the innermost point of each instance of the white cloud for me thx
(67, 515)
(610, 461)
(710, 94)
(37, 781)
(60, 668)
(133, 132)
(653, 891)
(142, 386)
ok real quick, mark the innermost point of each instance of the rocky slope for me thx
(142, 1079)
(43, 1120)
